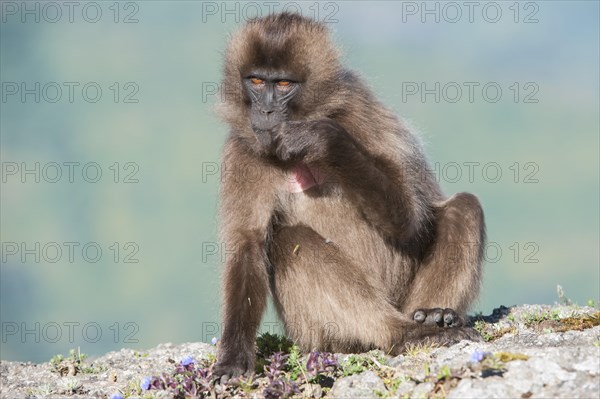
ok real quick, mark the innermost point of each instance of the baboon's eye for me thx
(257, 81)
(283, 83)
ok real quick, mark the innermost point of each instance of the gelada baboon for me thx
(328, 205)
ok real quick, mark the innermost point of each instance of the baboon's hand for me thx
(438, 316)
(309, 140)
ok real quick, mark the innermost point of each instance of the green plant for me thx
(43, 390)
(73, 364)
(562, 298)
(266, 345)
(248, 385)
(132, 388)
(480, 327)
(391, 384)
(537, 317)
(421, 348)
(355, 364)
(296, 368)
(444, 372)
(211, 359)
(70, 386)
(591, 303)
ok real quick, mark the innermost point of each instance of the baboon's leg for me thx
(328, 303)
(325, 301)
(450, 275)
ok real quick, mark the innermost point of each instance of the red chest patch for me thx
(302, 177)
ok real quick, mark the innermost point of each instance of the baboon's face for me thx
(270, 94)
(276, 70)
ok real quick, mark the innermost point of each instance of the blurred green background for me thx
(153, 123)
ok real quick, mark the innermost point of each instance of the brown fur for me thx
(348, 261)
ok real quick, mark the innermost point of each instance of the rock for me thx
(363, 385)
(591, 364)
(397, 361)
(422, 390)
(492, 387)
(312, 390)
(562, 364)
(405, 388)
(115, 371)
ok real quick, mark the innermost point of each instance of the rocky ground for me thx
(531, 351)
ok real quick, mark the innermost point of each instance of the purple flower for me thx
(312, 365)
(145, 383)
(117, 395)
(277, 360)
(186, 361)
(329, 360)
(280, 388)
(214, 341)
(320, 362)
(276, 365)
(478, 356)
